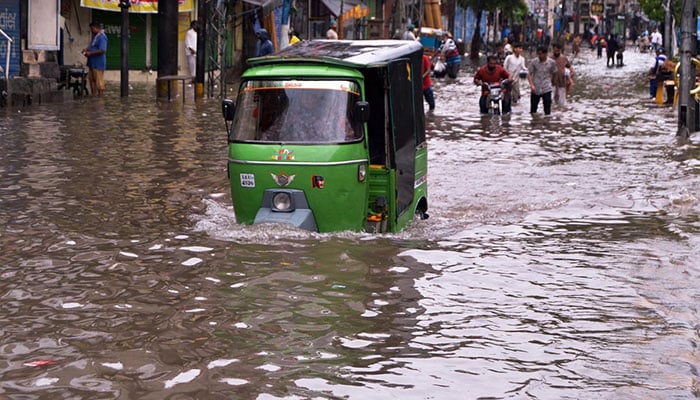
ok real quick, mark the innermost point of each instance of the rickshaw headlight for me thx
(281, 201)
(361, 172)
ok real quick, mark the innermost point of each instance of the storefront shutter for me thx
(111, 23)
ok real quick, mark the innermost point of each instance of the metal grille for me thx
(216, 40)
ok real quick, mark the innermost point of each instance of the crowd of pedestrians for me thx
(550, 77)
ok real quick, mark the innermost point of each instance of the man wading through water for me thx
(563, 77)
(515, 65)
(541, 70)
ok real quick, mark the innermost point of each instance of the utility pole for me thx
(167, 43)
(203, 19)
(563, 20)
(124, 5)
(602, 29)
(687, 105)
(577, 12)
(668, 31)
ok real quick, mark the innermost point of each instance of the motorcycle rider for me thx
(492, 73)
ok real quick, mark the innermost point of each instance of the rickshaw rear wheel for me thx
(421, 214)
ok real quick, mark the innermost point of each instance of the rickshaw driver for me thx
(310, 115)
(305, 122)
(302, 121)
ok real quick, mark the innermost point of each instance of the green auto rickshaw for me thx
(330, 136)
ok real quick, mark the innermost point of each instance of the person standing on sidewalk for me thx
(408, 34)
(657, 39)
(96, 54)
(264, 45)
(191, 47)
(293, 38)
(331, 33)
(540, 75)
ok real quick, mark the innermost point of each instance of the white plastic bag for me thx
(439, 67)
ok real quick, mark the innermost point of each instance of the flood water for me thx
(560, 259)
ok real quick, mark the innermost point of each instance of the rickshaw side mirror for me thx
(228, 108)
(361, 112)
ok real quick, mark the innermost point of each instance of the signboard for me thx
(619, 25)
(10, 24)
(583, 9)
(597, 8)
(137, 6)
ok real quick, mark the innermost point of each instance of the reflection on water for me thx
(559, 260)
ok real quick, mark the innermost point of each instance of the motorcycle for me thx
(496, 96)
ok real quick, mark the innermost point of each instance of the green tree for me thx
(512, 9)
(655, 9)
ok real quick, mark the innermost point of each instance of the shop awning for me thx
(351, 8)
(358, 11)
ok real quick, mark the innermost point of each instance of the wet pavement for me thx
(559, 261)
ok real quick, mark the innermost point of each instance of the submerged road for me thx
(559, 261)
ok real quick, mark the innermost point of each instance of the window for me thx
(296, 111)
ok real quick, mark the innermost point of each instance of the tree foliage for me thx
(654, 9)
(510, 8)
(515, 10)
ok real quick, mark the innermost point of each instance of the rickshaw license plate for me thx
(248, 180)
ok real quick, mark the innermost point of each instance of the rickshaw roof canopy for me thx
(355, 53)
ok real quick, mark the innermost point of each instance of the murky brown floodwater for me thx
(560, 260)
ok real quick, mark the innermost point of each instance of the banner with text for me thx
(137, 6)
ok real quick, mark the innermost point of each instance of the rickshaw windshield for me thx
(296, 111)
